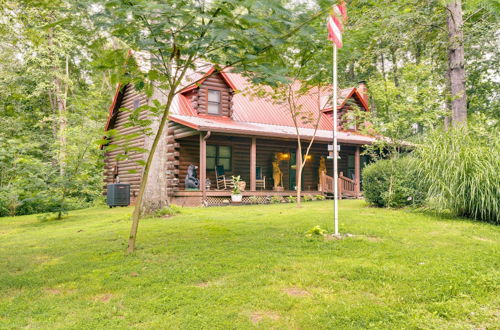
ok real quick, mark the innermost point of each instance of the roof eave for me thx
(257, 133)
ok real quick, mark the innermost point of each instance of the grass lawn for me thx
(250, 266)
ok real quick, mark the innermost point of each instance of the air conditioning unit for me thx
(118, 194)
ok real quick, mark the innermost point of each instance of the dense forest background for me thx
(60, 62)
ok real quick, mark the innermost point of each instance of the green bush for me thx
(319, 197)
(308, 198)
(253, 200)
(291, 199)
(462, 169)
(9, 203)
(276, 199)
(393, 183)
(168, 211)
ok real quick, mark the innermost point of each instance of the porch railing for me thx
(326, 183)
(346, 186)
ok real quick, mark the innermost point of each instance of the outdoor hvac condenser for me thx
(118, 194)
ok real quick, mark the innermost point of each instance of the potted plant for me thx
(236, 195)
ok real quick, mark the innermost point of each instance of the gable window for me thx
(214, 104)
(218, 155)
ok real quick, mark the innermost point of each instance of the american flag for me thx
(336, 23)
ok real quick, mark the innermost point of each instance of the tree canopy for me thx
(60, 61)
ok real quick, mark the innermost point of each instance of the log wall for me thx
(127, 170)
(266, 148)
(199, 100)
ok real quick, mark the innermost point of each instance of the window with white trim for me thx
(214, 102)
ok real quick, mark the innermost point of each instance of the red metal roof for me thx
(199, 77)
(257, 115)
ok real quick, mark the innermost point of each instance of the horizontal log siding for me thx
(266, 148)
(198, 96)
(190, 154)
(173, 154)
(135, 139)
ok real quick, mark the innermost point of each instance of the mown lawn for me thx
(251, 266)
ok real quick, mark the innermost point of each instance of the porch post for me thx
(203, 167)
(357, 172)
(253, 164)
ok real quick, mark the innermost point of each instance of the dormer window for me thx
(214, 104)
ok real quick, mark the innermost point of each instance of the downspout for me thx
(208, 135)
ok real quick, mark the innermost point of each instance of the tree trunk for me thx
(395, 67)
(299, 185)
(61, 97)
(144, 181)
(418, 53)
(299, 166)
(456, 70)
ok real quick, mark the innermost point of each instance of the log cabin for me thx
(217, 124)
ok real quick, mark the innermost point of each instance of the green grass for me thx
(251, 266)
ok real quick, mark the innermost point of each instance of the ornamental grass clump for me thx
(462, 170)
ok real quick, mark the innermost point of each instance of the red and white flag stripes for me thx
(336, 23)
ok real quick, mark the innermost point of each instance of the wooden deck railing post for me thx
(357, 172)
(253, 164)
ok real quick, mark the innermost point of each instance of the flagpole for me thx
(335, 149)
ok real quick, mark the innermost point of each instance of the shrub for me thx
(308, 198)
(168, 211)
(276, 199)
(462, 169)
(253, 200)
(319, 197)
(393, 183)
(291, 199)
(9, 203)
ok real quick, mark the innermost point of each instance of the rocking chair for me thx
(260, 181)
(222, 182)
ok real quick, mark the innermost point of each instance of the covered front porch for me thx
(252, 157)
